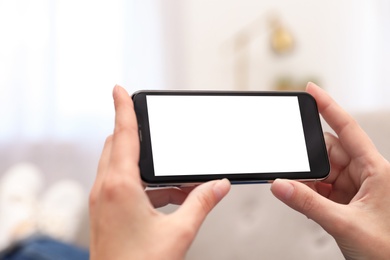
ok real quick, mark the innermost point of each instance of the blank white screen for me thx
(226, 134)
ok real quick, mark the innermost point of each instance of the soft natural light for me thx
(59, 61)
(89, 60)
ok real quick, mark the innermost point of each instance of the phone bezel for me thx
(315, 143)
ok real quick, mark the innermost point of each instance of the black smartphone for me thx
(189, 137)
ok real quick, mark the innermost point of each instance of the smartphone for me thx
(189, 137)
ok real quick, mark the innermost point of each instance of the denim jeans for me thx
(43, 248)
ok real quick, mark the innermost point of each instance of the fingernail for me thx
(221, 188)
(283, 189)
(310, 85)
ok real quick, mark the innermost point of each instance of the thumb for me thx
(308, 202)
(201, 201)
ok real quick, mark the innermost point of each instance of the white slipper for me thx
(61, 210)
(19, 190)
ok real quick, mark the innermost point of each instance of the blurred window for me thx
(59, 61)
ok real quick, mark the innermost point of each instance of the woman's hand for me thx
(353, 203)
(124, 222)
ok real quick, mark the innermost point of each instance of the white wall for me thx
(341, 43)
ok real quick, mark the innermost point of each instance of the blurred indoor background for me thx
(59, 61)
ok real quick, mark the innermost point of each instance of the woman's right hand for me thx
(353, 203)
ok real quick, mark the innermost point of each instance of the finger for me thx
(322, 188)
(306, 201)
(125, 144)
(104, 161)
(342, 123)
(105, 157)
(102, 169)
(162, 197)
(338, 157)
(201, 201)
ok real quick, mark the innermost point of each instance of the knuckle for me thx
(115, 188)
(308, 203)
(122, 129)
(187, 232)
(109, 139)
(93, 198)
